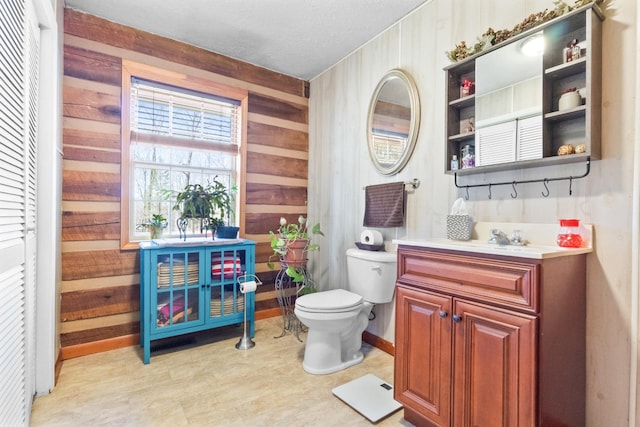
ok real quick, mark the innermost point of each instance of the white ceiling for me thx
(300, 38)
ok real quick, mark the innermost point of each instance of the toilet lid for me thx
(335, 300)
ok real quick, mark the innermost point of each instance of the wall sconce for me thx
(533, 45)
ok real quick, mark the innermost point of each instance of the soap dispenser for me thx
(454, 163)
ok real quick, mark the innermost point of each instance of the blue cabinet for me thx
(192, 286)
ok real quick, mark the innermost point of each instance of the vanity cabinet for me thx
(490, 340)
(520, 135)
(189, 288)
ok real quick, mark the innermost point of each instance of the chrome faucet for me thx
(499, 237)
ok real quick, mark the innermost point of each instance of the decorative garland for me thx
(492, 37)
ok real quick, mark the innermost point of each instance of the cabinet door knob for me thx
(443, 314)
(457, 318)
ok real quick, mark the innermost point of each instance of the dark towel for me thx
(384, 205)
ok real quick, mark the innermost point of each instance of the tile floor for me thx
(208, 383)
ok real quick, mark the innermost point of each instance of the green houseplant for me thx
(211, 203)
(155, 226)
(291, 243)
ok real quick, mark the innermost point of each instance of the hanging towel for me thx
(384, 205)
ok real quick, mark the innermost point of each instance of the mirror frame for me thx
(412, 137)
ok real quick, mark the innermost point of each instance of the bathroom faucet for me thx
(499, 237)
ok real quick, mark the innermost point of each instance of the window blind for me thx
(164, 110)
(388, 146)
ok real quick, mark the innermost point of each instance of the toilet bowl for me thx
(337, 318)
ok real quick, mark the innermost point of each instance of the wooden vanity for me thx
(490, 340)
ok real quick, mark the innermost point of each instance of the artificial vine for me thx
(492, 37)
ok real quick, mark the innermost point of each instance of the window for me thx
(388, 146)
(176, 131)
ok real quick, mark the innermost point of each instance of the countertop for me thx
(541, 238)
(482, 247)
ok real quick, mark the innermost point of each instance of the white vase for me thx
(569, 100)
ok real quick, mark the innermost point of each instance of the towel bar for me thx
(415, 183)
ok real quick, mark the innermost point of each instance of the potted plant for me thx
(155, 225)
(210, 203)
(226, 229)
(291, 244)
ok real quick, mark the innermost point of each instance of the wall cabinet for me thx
(490, 340)
(524, 136)
(190, 288)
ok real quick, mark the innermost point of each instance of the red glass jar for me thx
(569, 236)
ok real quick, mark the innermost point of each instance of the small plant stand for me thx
(286, 291)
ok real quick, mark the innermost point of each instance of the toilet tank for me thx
(372, 274)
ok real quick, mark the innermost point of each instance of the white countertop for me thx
(190, 241)
(541, 238)
(482, 247)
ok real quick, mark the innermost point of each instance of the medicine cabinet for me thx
(503, 105)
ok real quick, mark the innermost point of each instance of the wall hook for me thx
(514, 184)
(546, 188)
(570, 185)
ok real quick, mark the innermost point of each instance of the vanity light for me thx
(533, 45)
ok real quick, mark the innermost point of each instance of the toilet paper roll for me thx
(248, 286)
(371, 237)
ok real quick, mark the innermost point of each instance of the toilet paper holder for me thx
(246, 342)
(244, 278)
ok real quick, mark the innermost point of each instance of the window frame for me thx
(182, 80)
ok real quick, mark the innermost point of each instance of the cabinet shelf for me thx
(462, 137)
(567, 69)
(463, 102)
(573, 113)
(523, 164)
(185, 289)
(502, 96)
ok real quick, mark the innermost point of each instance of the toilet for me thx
(337, 318)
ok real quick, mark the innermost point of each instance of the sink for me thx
(483, 247)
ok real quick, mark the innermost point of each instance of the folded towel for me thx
(384, 205)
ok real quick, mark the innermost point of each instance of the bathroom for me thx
(339, 167)
(417, 46)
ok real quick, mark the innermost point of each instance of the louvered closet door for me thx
(18, 135)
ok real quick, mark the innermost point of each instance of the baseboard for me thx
(99, 346)
(268, 313)
(57, 368)
(378, 342)
(79, 350)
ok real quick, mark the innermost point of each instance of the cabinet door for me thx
(423, 355)
(494, 366)
(227, 268)
(176, 301)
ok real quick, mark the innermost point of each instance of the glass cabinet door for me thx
(179, 289)
(227, 270)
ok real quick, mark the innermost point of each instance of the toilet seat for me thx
(334, 301)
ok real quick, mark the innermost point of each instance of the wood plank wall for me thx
(100, 282)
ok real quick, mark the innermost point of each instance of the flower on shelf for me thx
(492, 37)
(291, 243)
(467, 88)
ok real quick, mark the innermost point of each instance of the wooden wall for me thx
(100, 282)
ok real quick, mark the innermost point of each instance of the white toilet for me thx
(337, 318)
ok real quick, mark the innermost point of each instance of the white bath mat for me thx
(370, 396)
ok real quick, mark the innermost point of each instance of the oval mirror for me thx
(393, 122)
